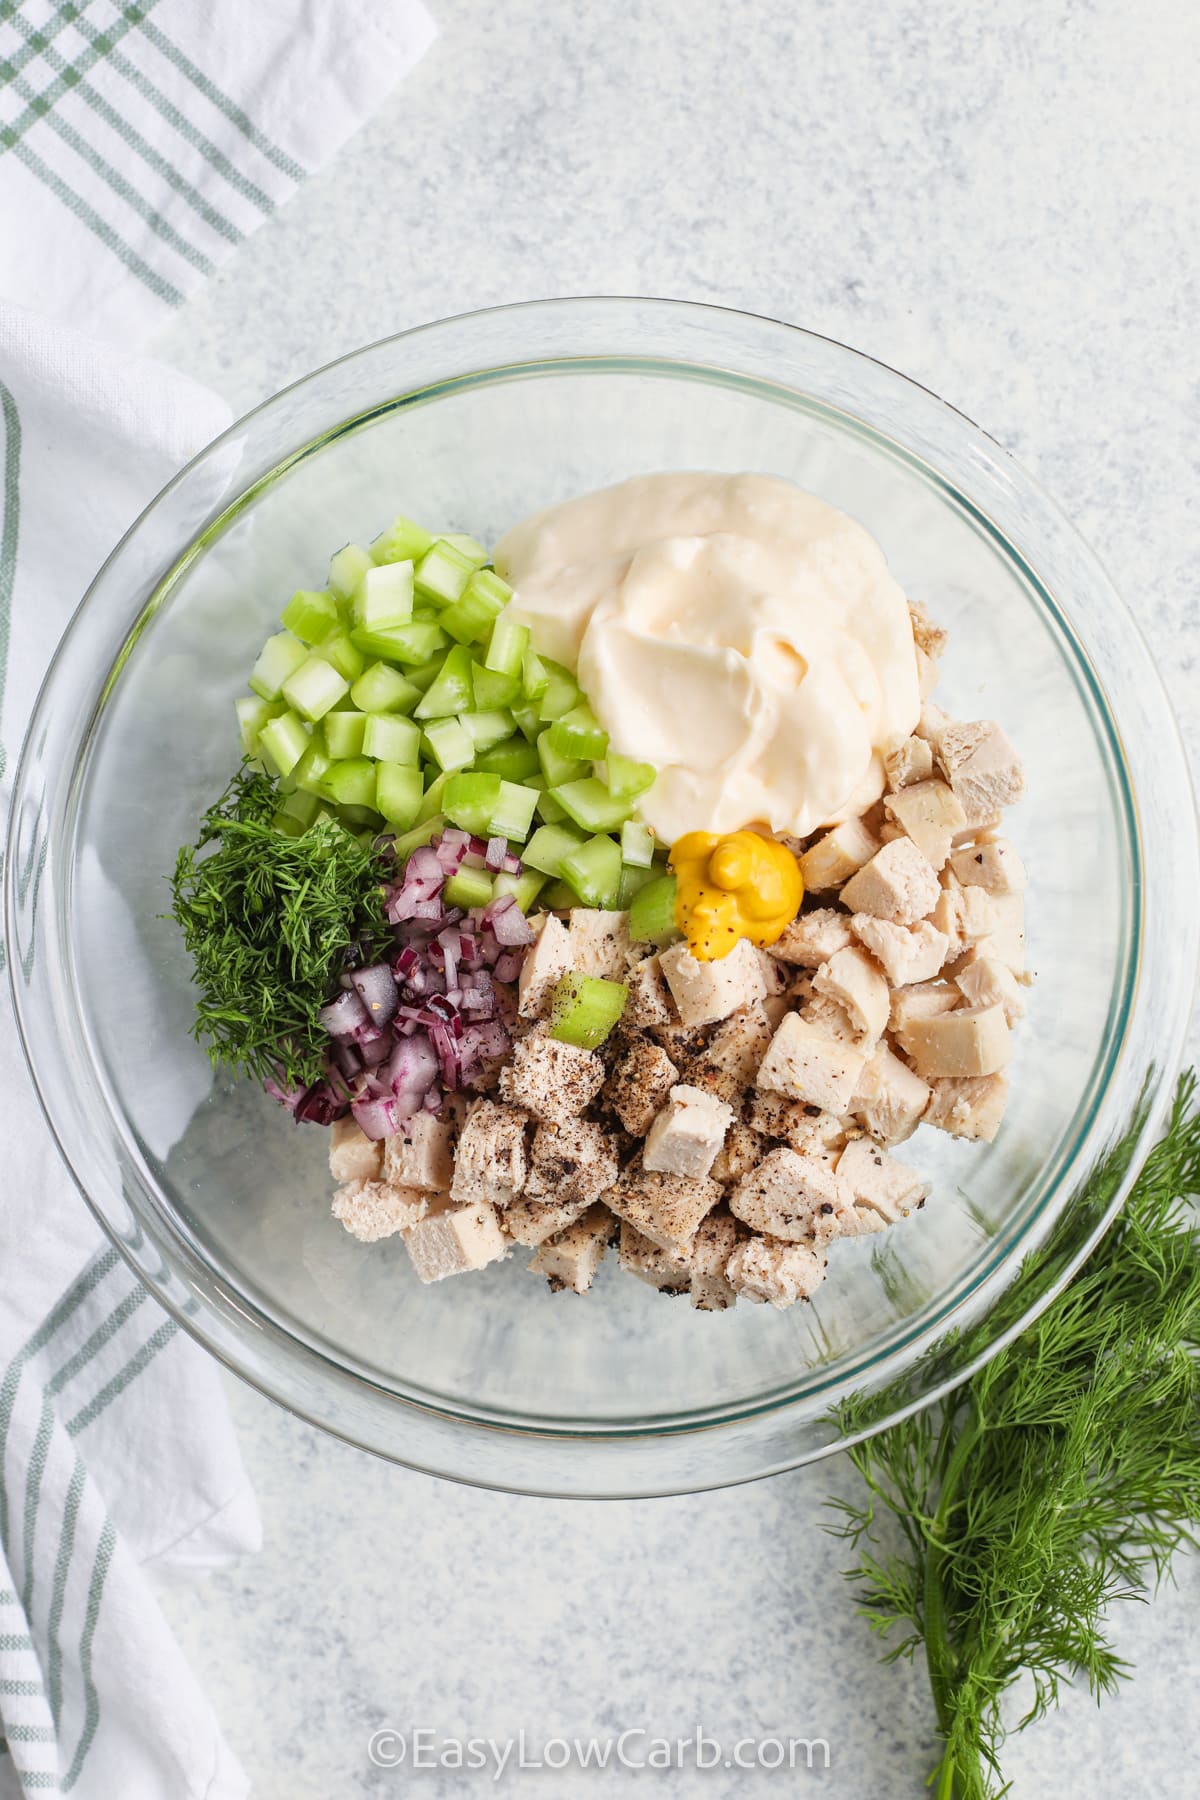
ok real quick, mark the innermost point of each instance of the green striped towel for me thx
(138, 143)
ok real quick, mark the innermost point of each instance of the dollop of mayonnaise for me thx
(733, 630)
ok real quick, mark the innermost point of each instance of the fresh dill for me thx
(269, 922)
(1059, 1478)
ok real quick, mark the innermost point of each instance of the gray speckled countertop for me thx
(1001, 202)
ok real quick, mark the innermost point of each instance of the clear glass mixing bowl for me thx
(223, 1206)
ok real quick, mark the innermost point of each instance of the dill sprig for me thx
(1060, 1478)
(269, 922)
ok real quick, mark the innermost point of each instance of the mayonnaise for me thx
(733, 630)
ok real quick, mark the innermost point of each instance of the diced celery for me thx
(403, 541)
(347, 569)
(507, 646)
(514, 759)
(300, 806)
(338, 650)
(491, 586)
(314, 688)
(311, 614)
(421, 833)
(524, 887)
(560, 896)
(450, 692)
(381, 689)
(652, 912)
(344, 733)
(410, 645)
(425, 674)
(310, 772)
(278, 658)
(594, 871)
(361, 822)
(432, 803)
(287, 824)
(449, 744)
(492, 689)
(579, 735)
(590, 804)
(585, 1009)
(466, 546)
(384, 596)
(252, 715)
(487, 728)
(556, 767)
(535, 676)
(547, 847)
(549, 810)
(513, 813)
(352, 782)
(632, 882)
(443, 572)
(282, 742)
(390, 737)
(637, 844)
(469, 800)
(398, 794)
(469, 620)
(625, 778)
(528, 722)
(468, 887)
(561, 693)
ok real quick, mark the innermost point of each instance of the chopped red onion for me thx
(343, 1016)
(508, 966)
(505, 918)
(377, 1118)
(494, 855)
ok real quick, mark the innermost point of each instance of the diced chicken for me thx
(932, 723)
(928, 673)
(813, 938)
(717, 1237)
(774, 1007)
(453, 1240)
(728, 1062)
(371, 1210)
(834, 858)
(910, 762)
(927, 636)
(553, 1081)
(575, 1160)
(421, 1153)
(890, 1098)
(639, 1084)
(353, 1156)
(798, 1198)
(930, 813)
(977, 916)
(971, 1108)
(542, 965)
(658, 1268)
(572, 1256)
(897, 884)
(533, 1221)
(649, 1003)
(599, 943)
(994, 866)
(774, 974)
(742, 1149)
(855, 983)
(873, 1178)
(806, 1064)
(972, 1040)
(779, 1273)
(981, 766)
(947, 915)
(924, 1000)
(989, 982)
(688, 1132)
(909, 953)
(707, 991)
(665, 1208)
(831, 1017)
(806, 1128)
(491, 1163)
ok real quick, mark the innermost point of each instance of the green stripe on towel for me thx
(233, 112)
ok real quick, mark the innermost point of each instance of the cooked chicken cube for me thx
(971, 1040)
(890, 1098)
(353, 1156)
(924, 1000)
(491, 1163)
(707, 991)
(875, 1179)
(806, 1128)
(855, 983)
(553, 1081)
(571, 1257)
(666, 1208)
(371, 1210)
(728, 1061)
(981, 766)
(717, 1237)
(658, 1268)
(778, 1273)
(897, 884)
(542, 965)
(531, 1222)
(932, 723)
(648, 1003)
(806, 1064)
(911, 761)
(813, 938)
(830, 1016)
(927, 636)
(421, 1153)
(970, 1108)
(930, 813)
(994, 866)
(599, 943)
(453, 1240)
(575, 1160)
(774, 973)
(799, 1198)
(989, 982)
(834, 858)
(639, 1084)
(928, 673)
(909, 953)
(688, 1132)
(742, 1149)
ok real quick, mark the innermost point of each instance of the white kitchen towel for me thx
(138, 144)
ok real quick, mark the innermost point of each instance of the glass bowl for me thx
(222, 1205)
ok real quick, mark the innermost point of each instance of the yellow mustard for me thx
(738, 886)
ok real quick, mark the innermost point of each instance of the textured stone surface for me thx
(1001, 202)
